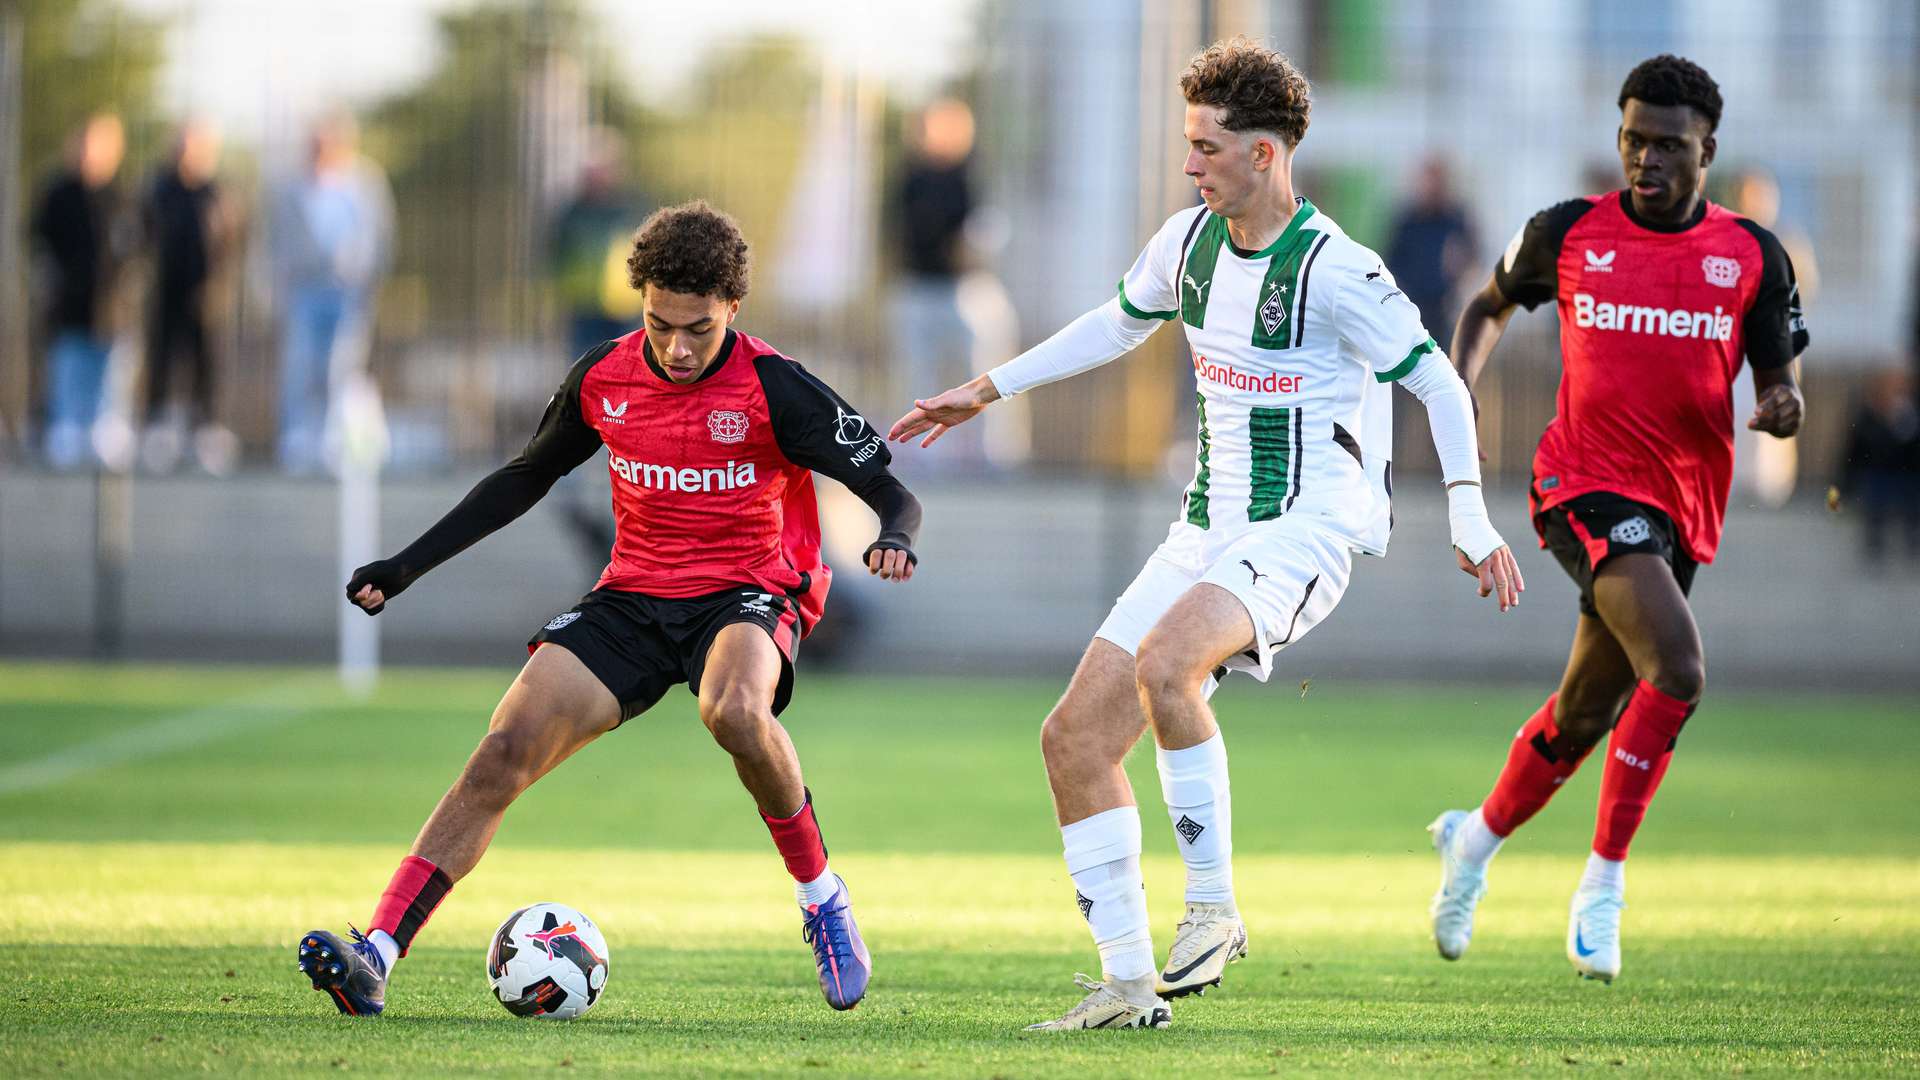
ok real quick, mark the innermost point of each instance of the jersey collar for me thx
(1626, 207)
(1302, 210)
(719, 361)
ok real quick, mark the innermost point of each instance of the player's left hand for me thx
(890, 563)
(1499, 574)
(1778, 411)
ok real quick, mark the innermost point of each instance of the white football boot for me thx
(1118, 1004)
(1462, 884)
(1210, 937)
(1593, 934)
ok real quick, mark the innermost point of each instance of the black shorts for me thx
(640, 646)
(1587, 530)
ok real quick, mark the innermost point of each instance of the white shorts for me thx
(1288, 572)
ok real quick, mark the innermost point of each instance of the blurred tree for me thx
(475, 153)
(78, 57)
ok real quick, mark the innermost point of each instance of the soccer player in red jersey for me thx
(712, 438)
(1660, 295)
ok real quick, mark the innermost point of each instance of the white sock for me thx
(1103, 857)
(818, 891)
(1194, 783)
(1604, 875)
(1477, 840)
(384, 944)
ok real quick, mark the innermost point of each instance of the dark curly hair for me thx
(690, 248)
(1674, 80)
(1256, 88)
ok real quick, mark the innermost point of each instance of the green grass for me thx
(167, 833)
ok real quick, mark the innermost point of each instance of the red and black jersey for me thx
(712, 480)
(1654, 322)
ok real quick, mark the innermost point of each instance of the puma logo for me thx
(1373, 276)
(1199, 288)
(1257, 575)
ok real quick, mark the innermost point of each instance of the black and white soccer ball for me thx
(549, 961)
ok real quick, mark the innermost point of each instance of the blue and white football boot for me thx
(351, 972)
(839, 951)
(1462, 884)
(1593, 934)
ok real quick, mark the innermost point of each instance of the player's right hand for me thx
(374, 584)
(935, 415)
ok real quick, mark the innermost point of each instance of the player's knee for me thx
(737, 719)
(1163, 675)
(504, 765)
(1682, 677)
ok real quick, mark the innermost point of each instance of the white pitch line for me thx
(268, 708)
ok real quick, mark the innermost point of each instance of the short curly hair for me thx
(1256, 88)
(690, 248)
(1674, 80)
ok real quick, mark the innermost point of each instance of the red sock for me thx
(1535, 770)
(1637, 758)
(417, 888)
(798, 839)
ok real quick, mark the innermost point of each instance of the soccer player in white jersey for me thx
(1297, 335)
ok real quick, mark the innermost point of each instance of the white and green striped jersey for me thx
(1294, 349)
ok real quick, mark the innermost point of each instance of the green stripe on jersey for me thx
(1270, 431)
(1196, 281)
(1280, 292)
(1197, 494)
(1126, 305)
(1405, 367)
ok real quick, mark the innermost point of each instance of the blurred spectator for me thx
(1431, 248)
(190, 230)
(332, 234)
(79, 247)
(591, 239)
(1765, 469)
(1880, 470)
(951, 318)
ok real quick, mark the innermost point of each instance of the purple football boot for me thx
(351, 972)
(838, 950)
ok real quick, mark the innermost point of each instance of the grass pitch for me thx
(167, 833)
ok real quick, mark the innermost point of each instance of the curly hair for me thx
(1673, 80)
(1256, 88)
(690, 248)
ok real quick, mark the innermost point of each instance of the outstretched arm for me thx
(562, 441)
(1098, 337)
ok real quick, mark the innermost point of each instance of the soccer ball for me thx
(549, 961)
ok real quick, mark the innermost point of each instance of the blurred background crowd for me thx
(222, 220)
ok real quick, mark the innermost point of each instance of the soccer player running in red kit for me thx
(1660, 294)
(712, 438)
